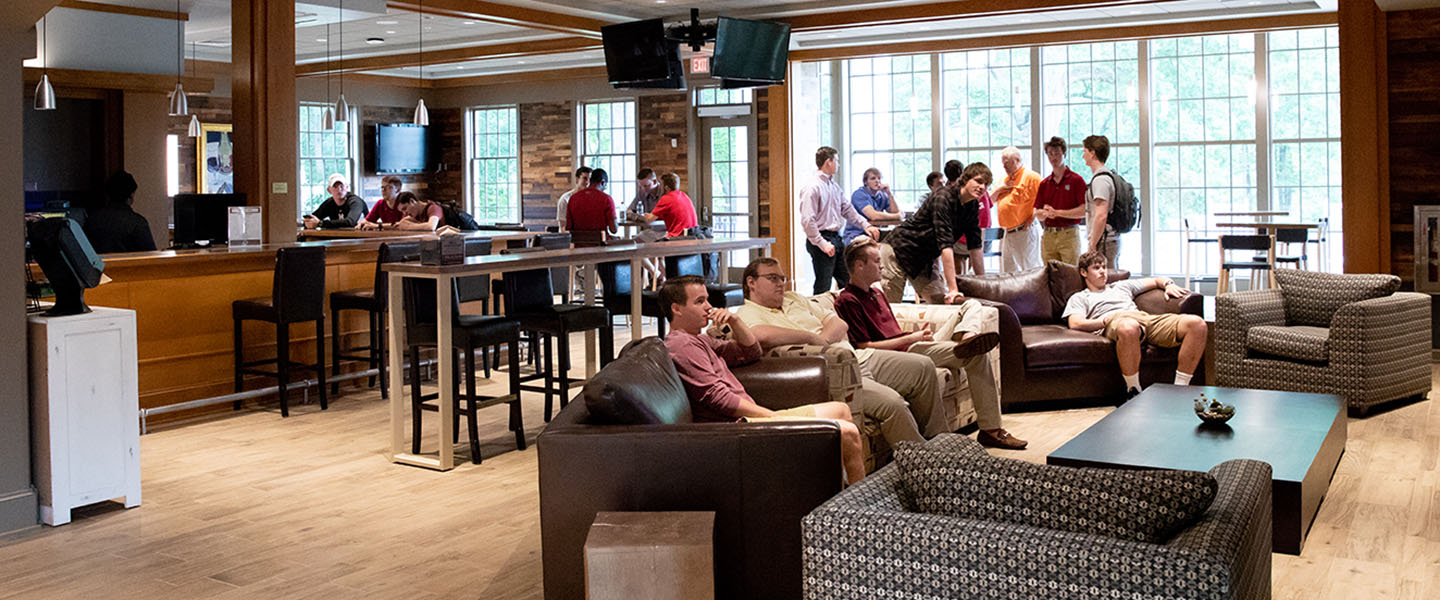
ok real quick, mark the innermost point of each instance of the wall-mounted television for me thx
(637, 53)
(400, 148)
(753, 53)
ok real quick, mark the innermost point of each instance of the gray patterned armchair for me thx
(869, 542)
(1351, 335)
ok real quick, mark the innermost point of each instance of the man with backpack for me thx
(1111, 208)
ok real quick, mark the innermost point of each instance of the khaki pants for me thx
(893, 279)
(906, 378)
(1062, 245)
(1109, 246)
(1160, 330)
(983, 393)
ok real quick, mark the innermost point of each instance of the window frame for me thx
(621, 186)
(475, 166)
(351, 171)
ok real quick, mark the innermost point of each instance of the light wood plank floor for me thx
(255, 506)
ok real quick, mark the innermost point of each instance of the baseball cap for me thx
(330, 181)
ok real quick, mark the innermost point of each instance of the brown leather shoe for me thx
(976, 345)
(1000, 439)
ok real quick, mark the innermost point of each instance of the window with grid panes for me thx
(494, 155)
(714, 96)
(1305, 131)
(608, 142)
(827, 107)
(1093, 89)
(987, 105)
(1204, 141)
(322, 153)
(889, 125)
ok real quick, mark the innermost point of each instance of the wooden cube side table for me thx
(650, 556)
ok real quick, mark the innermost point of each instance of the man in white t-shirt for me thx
(1110, 310)
(582, 181)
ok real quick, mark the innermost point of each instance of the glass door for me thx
(727, 182)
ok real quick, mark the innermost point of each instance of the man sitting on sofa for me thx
(890, 379)
(704, 362)
(1110, 309)
(958, 345)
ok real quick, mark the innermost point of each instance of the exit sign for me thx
(699, 64)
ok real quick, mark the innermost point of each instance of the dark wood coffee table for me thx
(1301, 435)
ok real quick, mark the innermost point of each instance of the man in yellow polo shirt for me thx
(1015, 210)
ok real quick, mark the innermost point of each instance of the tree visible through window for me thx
(494, 165)
(890, 124)
(987, 104)
(608, 142)
(322, 152)
(1305, 128)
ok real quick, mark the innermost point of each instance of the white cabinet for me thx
(84, 399)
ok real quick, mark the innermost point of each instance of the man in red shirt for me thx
(1062, 190)
(591, 209)
(704, 362)
(387, 210)
(675, 208)
(959, 344)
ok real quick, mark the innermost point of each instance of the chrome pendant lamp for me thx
(44, 92)
(179, 106)
(327, 120)
(342, 109)
(422, 114)
(194, 129)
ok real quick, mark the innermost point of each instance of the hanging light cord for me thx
(342, 46)
(327, 63)
(179, 44)
(421, 19)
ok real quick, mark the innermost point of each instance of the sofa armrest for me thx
(1156, 302)
(1235, 314)
(1381, 331)
(1012, 351)
(780, 382)
(1237, 527)
(759, 478)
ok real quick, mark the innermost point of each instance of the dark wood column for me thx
(1365, 137)
(265, 109)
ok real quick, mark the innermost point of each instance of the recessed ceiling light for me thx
(468, 22)
(320, 39)
(389, 32)
(387, 22)
(374, 40)
(519, 62)
(1136, 12)
(428, 28)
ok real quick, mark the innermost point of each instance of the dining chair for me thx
(1193, 238)
(1249, 244)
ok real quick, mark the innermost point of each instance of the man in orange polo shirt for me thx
(1015, 209)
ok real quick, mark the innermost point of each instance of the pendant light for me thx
(327, 121)
(342, 109)
(194, 129)
(422, 114)
(179, 106)
(44, 93)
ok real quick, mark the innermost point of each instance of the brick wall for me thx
(663, 133)
(762, 159)
(547, 156)
(447, 128)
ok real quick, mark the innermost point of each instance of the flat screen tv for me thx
(204, 219)
(400, 148)
(752, 51)
(638, 53)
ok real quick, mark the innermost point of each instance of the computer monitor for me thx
(204, 218)
(63, 252)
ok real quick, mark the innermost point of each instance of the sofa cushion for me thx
(1025, 292)
(1298, 342)
(640, 387)
(1065, 280)
(1312, 298)
(1137, 505)
(1052, 345)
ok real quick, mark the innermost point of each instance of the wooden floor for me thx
(255, 506)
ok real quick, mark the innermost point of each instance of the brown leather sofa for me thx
(628, 444)
(1042, 359)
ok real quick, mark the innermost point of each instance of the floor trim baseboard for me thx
(18, 510)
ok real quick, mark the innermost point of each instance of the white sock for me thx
(1183, 378)
(1132, 381)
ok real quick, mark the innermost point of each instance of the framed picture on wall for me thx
(215, 159)
(1427, 249)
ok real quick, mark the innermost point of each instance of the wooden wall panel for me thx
(1362, 127)
(1413, 84)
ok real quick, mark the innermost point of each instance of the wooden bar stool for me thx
(296, 296)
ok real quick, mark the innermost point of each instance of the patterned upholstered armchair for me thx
(871, 541)
(1351, 335)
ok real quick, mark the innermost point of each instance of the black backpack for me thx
(1124, 207)
(459, 219)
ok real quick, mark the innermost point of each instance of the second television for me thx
(400, 148)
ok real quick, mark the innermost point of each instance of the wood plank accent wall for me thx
(547, 157)
(1413, 68)
(661, 119)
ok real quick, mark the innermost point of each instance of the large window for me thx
(494, 164)
(608, 142)
(1305, 128)
(323, 152)
(890, 125)
(987, 104)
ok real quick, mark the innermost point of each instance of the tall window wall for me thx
(493, 151)
(323, 152)
(608, 142)
(1199, 125)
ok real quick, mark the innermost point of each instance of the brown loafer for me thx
(1001, 439)
(976, 345)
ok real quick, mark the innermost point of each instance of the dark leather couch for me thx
(1042, 359)
(630, 445)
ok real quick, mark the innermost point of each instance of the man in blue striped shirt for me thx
(823, 212)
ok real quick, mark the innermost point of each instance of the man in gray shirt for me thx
(1110, 310)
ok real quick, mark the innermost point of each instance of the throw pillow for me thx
(640, 387)
(1137, 505)
(1312, 298)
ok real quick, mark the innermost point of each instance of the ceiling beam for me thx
(1069, 37)
(110, 80)
(453, 55)
(125, 10)
(943, 11)
(505, 14)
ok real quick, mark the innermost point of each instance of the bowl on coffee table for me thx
(1212, 411)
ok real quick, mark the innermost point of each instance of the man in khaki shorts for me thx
(1110, 309)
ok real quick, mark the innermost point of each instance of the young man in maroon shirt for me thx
(704, 362)
(958, 345)
(1064, 189)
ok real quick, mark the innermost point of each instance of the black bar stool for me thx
(615, 282)
(530, 299)
(297, 295)
(722, 295)
(469, 333)
(372, 301)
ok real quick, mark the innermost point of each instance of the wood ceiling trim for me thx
(125, 10)
(520, 77)
(453, 55)
(109, 80)
(1070, 37)
(941, 11)
(505, 14)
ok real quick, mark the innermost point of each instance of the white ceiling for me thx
(209, 25)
